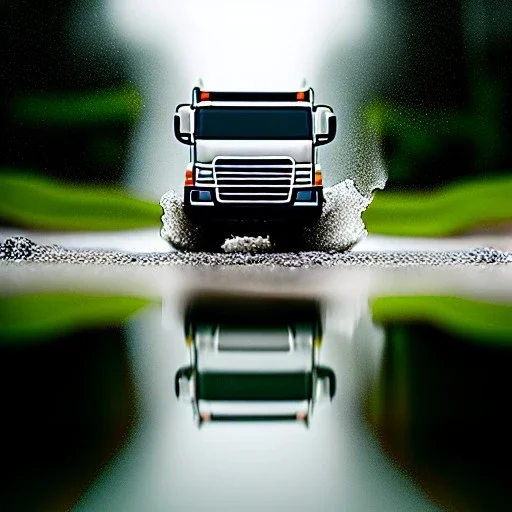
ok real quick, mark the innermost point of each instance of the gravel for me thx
(20, 249)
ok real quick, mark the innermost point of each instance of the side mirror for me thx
(184, 384)
(325, 385)
(183, 124)
(325, 125)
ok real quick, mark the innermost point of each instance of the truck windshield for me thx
(253, 123)
(254, 386)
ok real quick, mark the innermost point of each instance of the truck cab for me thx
(253, 156)
(253, 360)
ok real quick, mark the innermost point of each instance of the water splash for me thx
(339, 228)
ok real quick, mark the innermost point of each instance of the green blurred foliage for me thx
(75, 108)
(68, 404)
(443, 112)
(484, 322)
(68, 105)
(37, 317)
(36, 202)
(440, 404)
(435, 146)
(450, 210)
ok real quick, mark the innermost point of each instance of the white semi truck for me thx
(253, 360)
(253, 156)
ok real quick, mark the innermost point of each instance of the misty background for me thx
(89, 89)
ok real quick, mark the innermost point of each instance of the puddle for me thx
(204, 396)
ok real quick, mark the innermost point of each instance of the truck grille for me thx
(249, 180)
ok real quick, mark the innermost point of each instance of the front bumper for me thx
(305, 205)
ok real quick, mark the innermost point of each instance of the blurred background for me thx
(89, 90)
(421, 91)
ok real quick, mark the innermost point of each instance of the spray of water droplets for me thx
(339, 227)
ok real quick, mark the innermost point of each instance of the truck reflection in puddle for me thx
(253, 360)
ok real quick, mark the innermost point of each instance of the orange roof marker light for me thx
(205, 96)
(301, 96)
(205, 416)
(302, 416)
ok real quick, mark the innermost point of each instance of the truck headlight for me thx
(304, 195)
